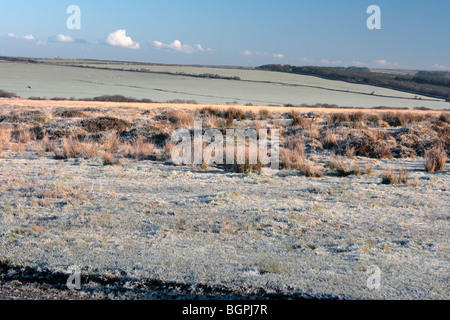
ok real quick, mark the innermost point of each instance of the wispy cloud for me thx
(329, 62)
(249, 53)
(304, 59)
(385, 63)
(179, 47)
(278, 56)
(119, 38)
(21, 37)
(359, 63)
(440, 67)
(63, 38)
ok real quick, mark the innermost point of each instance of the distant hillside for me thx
(443, 74)
(424, 83)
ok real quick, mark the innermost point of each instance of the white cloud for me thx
(358, 63)
(385, 63)
(382, 62)
(306, 60)
(19, 37)
(41, 43)
(63, 38)
(249, 53)
(440, 67)
(278, 56)
(179, 47)
(119, 38)
(327, 61)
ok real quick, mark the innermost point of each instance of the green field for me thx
(161, 83)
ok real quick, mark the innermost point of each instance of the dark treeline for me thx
(424, 84)
(444, 74)
(143, 70)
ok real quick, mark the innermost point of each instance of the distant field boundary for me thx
(20, 102)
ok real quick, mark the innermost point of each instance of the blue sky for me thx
(414, 34)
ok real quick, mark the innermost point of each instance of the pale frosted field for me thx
(59, 81)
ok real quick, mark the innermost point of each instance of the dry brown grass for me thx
(330, 140)
(5, 135)
(109, 159)
(350, 152)
(292, 158)
(435, 159)
(181, 119)
(111, 142)
(389, 176)
(141, 150)
(311, 169)
(264, 114)
(22, 135)
(17, 147)
(46, 145)
(73, 148)
(369, 168)
(168, 149)
(338, 164)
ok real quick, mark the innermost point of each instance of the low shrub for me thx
(95, 125)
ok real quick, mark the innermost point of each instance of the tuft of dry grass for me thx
(73, 148)
(383, 152)
(435, 159)
(264, 114)
(47, 145)
(109, 159)
(292, 158)
(330, 139)
(140, 150)
(338, 163)
(311, 169)
(21, 135)
(168, 148)
(368, 168)
(5, 135)
(111, 142)
(350, 152)
(389, 176)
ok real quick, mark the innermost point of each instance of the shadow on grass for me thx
(124, 285)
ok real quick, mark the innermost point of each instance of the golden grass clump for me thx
(111, 142)
(435, 159)
(389, 176)
(109, 159)
(73, 148)
(311, 169)
(330, 139)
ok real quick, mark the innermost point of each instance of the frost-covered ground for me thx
(152, 230)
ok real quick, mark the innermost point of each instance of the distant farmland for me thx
(87, 79)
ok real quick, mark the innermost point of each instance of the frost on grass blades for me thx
(208, 147)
